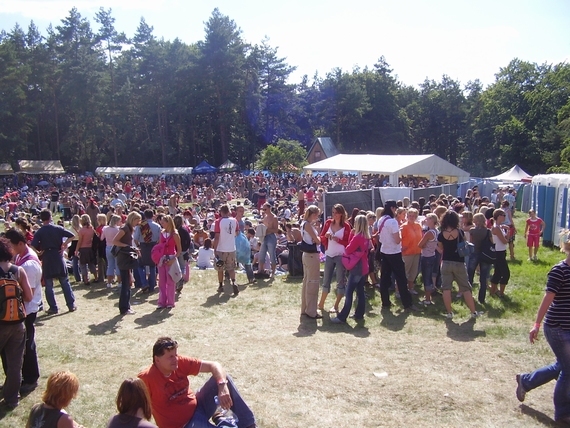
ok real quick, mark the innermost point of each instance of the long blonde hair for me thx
(171, 227)
(361, 226)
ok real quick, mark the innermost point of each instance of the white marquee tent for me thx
(143, 170)
(431, 166)
(516, 173)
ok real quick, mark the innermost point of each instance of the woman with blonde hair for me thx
(359, 241)
(84, 250)
(172, 249)
(311, 264)
(61, 388)
(108, 236)
(133, 404)
(124, 239)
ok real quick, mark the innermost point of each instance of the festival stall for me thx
(34, 167)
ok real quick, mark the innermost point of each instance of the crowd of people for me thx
(136, 232)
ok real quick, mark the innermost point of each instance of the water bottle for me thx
(224, 415)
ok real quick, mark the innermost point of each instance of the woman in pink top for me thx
(108, 235)
(172, 250)
(359, 241)
(84, 249)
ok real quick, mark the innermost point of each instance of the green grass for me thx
(296, 372)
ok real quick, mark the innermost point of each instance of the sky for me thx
(419, 39)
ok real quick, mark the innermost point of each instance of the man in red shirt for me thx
(175, 405)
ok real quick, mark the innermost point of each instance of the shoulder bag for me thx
(464, 248)
(488, 250)
(306, 247)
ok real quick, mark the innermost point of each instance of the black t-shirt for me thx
(55, 196)
(450, 248)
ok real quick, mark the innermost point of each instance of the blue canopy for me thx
(204, 168)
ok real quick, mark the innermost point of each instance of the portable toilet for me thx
(545, 188)
(562, 207)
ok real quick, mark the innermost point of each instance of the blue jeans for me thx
(112, 268)
(67, 293)
(355, 282)
(269, 244)
(75, 266)
(428, 266)
(330, 264)
(206, 406)
(146, 281)
(484, 271)
(559, 341)
(540, 376)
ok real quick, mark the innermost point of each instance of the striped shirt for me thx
(558, 282)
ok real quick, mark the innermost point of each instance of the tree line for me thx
(90, 96)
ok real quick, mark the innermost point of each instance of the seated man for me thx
(174, 404)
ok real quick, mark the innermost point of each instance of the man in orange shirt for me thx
(175, 405)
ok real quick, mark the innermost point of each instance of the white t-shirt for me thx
(334, 248)
(34, 273)
(386, 236)
(226, 228)
(205, 257)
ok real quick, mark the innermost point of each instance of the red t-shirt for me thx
(173, 402)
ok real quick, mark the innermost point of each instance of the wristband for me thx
(222, 382)
(536, 325)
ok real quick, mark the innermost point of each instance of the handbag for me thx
(349, 261)
(488, 250)
(464, 248)
(174, 271)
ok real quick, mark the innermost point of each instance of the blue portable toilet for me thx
(550, 200)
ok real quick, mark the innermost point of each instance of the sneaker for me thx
(236, 289)
(336, 320)
(449, 315)
(427, 302)
(73, 308)
(52, 311)
(521, 392)
(221, 289)
(414, 292)
(128, 312)
(109, 285)
(476, 314)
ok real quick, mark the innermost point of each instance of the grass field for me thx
(394, 370)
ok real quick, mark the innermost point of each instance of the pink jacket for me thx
(359, 242)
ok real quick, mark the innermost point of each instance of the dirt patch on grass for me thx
(297, 372)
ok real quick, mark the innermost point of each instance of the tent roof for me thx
(143, 170)
(228, 165)
(6, 169)
(516, 173)
(41, 167)
(390, 164)
(204, 168)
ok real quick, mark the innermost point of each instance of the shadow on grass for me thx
(538, 416)
(154, 318)
(106, 327)
(307, 327)
(96, 293)
(496, 307)
(394, 321)
(463, 332)
(217, 299)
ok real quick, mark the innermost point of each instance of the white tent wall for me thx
(143, 170)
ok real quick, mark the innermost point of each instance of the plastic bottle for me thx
(225, 415)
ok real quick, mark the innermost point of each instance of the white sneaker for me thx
(476, 314)
(427, 302)
(109, 285)
(449, 315)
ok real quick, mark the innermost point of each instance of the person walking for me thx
(554, 311)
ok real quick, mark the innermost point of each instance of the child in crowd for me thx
(206, 255)
(532, 232)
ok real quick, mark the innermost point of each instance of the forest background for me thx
(91, 96)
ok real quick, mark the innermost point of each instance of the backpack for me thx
(12, 309)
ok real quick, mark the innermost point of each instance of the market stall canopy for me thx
(228, 166)
(516, 173)
(431, 166)
(143, 170)
(6, 169)
(204, 168)
(40, 167)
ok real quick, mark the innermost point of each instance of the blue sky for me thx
(420, 39)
